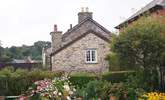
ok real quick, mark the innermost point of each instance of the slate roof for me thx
(79, 36)
(79, 25)
(19, 61)
(152, 4)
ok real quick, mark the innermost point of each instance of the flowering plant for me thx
(58, 88)
(153, 96)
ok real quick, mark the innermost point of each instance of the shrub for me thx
(98, 89)
(152, 96)
(56, 89)
(117, 76)
(17, 82)
(81, 79)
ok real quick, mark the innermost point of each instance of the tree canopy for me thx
(142, 44)
(34, 51)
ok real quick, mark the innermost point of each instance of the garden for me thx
(135, 71)
(50, 85)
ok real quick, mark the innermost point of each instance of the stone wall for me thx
(72, 58)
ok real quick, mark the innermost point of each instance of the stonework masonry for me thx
(72, 58)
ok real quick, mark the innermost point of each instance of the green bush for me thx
(97, 89)
(80, 80)
(117, 76)
(17, 82)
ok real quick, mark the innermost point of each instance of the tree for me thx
(142, 45)
(22, 52)
(3, 56)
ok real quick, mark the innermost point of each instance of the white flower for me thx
(55, 92)
(59, 94)
(66, 87)
(74, 89)
(68, 98)
(71, 92)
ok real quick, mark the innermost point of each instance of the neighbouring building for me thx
(27, 60)
(83, 47)
(155, 8)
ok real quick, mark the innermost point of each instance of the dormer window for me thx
(91, 56)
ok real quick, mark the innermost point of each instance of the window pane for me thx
(93, 55)
(88, 55)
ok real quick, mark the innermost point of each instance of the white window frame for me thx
(90, 57)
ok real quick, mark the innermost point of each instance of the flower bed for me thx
(153, 96)
(58, 88)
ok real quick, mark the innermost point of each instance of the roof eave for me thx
(136, 17)
(78, 38)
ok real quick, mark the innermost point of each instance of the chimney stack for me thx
(56, 37)
(55, 28)
(84, 14)
(70, 26)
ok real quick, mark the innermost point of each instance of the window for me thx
(91, 56)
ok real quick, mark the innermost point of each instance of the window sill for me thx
(91, 62)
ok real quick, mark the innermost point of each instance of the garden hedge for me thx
(117, 76)
(17, 82)
(81, 80)
(14, 83)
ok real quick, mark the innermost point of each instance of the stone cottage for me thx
(82, 48)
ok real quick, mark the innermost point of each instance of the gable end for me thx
(78, 38)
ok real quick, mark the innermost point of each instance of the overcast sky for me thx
(27, 21)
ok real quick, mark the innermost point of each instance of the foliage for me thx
(17, 82)
(113, 62)
(104, 89)
(113, 59)
(3, 56)
(35, 51)
(116, 76)
(152, 96)
(141, 43)
(141, 46)
(80, 79)
(58, 88)
(98, 89)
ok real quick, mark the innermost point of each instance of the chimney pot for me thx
(70, 26)
(87, 9)
(55, 28)
(82, 9)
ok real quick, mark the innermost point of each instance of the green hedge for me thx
(17, 82)
(81, 80)
(117, 76)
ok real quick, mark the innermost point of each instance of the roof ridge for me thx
(79, 37)
(79, 24)
(150, 5)
(159, 1)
